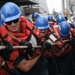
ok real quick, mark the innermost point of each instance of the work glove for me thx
(28, 44)
(5, 53)
(45, 46)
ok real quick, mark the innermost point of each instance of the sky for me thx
(54, 4)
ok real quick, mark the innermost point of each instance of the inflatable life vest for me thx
(9, 64)
(29, 26)
(33, 34)
(54, 36)
(59, 47)
(26, 29)
(28, 32)
(4, 34)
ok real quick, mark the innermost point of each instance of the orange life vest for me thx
(4, 34)
(26, 29)
(60, 48)
(29, 26)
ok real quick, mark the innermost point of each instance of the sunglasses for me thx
(14, 21)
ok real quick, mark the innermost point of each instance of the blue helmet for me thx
(10, 11)
(60, 18)
(41, 23)
(50, 18)
(2, 19)
(35, 15)
(64, 28)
